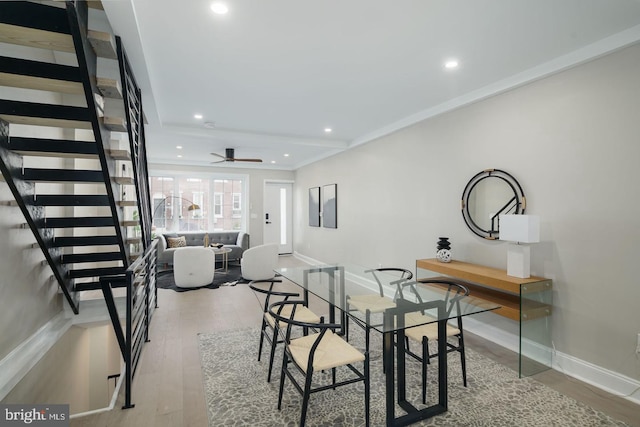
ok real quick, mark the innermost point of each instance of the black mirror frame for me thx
(518, 202)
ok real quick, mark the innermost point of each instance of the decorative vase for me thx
(444, 250)
(206, 240)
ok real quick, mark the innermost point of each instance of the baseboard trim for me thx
(609, 381)
(24, 357)
(604, 379)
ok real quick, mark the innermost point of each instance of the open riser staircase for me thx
(84, 195)
(56, 142)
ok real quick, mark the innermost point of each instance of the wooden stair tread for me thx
(42, 121)
(13, 34)
(117, 124)
(41, 83)
(71, 200)
(110, 88)
(84, 241)
(95, 272)
(103, 43)
(62, 175)
(78, 222)
(44, 147)
(124, 180)
(119, 154)
(123, 203)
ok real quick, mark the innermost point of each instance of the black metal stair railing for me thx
(87, 61)
(135, 122)
(141, 302)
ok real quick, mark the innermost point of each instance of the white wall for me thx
(573, 142)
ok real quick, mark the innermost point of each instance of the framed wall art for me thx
(314, 207)
(330, 206)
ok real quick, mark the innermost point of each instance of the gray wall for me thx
(572, 141)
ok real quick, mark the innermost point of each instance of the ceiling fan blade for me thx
(248, 160)
(219, 155)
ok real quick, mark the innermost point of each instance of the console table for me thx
(527, 301)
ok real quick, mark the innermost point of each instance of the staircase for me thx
(56, 137)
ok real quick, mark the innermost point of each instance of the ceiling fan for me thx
(230, 157)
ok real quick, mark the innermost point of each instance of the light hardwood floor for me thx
(168, 388)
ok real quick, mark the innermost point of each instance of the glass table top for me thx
(402, 304)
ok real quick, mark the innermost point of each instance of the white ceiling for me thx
(273, 74)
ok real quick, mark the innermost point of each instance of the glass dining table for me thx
(336, 283)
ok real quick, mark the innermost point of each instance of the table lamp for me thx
(519, 229)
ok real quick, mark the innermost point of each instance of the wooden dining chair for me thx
(321, 351)
(454, 291)
(268, 329)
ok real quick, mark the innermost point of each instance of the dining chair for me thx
(321, 351)
(369, 304)
(268, 329)
(454, 291)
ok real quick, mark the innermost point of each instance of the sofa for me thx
(237, 241)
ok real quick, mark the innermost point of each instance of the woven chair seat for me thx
(430, 330)
(373, 303)
(332, 352)
(303, 314)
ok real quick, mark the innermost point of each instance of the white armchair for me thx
(259, 262)
(193, 267)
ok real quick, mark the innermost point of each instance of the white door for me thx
(278, 215)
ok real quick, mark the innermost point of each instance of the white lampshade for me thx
(520, 228)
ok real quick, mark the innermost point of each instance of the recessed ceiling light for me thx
(273, 161)
(286, 155)
(328, 130)
(179, 155)
(219, 8)
(451, 64)
(197, 116)
(179, 147)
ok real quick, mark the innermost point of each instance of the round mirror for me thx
(488, 195)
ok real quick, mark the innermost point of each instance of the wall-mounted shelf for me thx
(527, 301)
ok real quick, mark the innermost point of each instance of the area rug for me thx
(237, 393)
(232, 277)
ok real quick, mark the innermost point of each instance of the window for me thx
(220, 202)
(237, 204)
(217, 204)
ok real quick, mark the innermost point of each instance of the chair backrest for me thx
(193, 266)
(454, 291)
(259, 262)
(276, 310)
(269, 291)
(402, 273)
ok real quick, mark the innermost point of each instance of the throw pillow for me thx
(176, 242)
